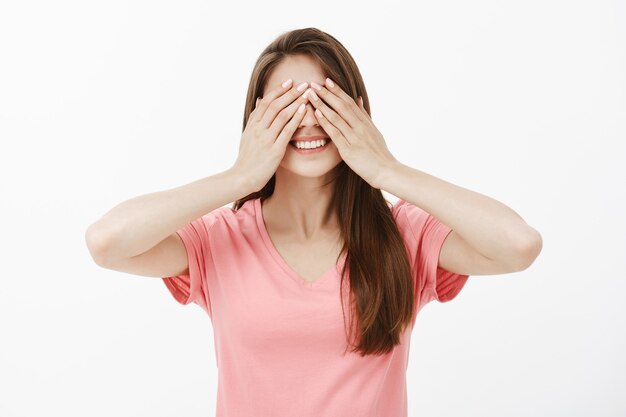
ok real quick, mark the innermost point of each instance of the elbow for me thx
(96, 244)
(528, 250)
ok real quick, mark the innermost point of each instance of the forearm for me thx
(136, 225)
(490, 227)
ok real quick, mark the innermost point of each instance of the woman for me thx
(311, 240)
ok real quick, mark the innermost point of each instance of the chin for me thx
(308, 173)
(313, 169)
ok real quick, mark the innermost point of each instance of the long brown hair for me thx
(381, 285)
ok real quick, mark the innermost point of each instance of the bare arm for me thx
(133, 229)
(139, 235)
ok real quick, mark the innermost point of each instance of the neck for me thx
(300, 206)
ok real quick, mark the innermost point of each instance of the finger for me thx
(279, 103)
(255, 110)
(263, 102)
(335, 133)
(326, 112)
(286, 114)
(286, 134)
(362, 107)
(253, 113)
(341, 102)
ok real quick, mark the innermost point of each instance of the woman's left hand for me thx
(359, 142)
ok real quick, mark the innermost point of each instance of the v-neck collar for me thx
(319, 281)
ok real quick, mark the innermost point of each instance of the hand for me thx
(350, 127)
(267, 133)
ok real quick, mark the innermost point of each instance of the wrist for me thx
(386, 174)
(242, 181)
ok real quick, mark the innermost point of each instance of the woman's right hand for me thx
(267, 134)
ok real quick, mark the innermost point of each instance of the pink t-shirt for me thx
(280, 340)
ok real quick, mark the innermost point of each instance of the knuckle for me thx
(274, 106)
(286, 111)
(283, 116)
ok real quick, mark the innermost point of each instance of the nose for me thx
(309, 118)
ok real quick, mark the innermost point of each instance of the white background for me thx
(522, 101)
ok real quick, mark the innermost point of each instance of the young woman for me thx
(312, 280)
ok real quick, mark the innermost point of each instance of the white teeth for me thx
(310, 145)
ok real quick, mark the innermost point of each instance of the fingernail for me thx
(329, 82)
(318, 113)
(286, 83)
(316, 86)
(313, 94)
(301, 86)
(301, 108)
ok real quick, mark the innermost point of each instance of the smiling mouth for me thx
(325, 144)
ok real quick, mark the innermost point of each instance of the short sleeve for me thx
(427, 235)
(192, 287)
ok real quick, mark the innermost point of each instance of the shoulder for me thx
(409, 217)
(404, 206)
(226, 219)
